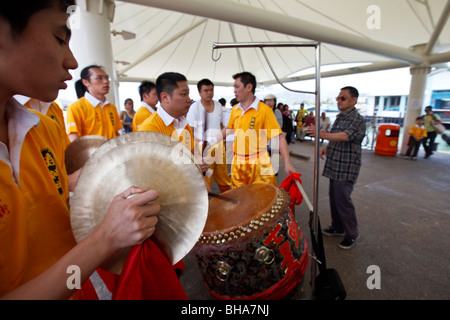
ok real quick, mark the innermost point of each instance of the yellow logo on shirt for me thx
(252, 123)
(49, 160)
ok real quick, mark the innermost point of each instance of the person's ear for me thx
(165, 97)
(85, 82)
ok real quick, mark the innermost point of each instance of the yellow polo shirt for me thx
(253, 129)
(54, 112)
(35, 228)
(84, 119)
(418, 132)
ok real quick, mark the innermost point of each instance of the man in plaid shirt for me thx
(343, 161)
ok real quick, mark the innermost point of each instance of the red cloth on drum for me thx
(289, 185)
(148, 275)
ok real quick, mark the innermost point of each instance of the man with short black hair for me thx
(93, 114)
(254, 124)
(205, 117)
(149, 99)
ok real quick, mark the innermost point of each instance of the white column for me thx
(419, 75)
(415, 101)
(91, 40)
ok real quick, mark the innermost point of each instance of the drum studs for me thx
(242, 231)
(222, 271)
(264, 254)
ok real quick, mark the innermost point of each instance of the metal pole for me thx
(262, 45)
(316, 159)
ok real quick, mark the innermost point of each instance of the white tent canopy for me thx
(178, 35)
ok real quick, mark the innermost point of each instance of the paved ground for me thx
(403, 211)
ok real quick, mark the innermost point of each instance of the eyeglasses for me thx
(341, 98)
(102, 78)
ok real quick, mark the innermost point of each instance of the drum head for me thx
(147, 160)
(251, 201)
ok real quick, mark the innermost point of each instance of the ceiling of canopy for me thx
(178, 35)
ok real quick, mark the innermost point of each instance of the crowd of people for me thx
(295, 126)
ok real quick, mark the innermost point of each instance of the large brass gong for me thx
(147, 160)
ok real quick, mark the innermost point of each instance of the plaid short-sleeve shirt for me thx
(344, 158)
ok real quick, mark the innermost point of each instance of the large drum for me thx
(251, 247)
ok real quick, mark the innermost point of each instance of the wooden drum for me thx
(251, 248)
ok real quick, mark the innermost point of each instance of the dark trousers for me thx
(428, 142)
(413, 147)
(343, 214)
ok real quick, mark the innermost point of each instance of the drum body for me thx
(253, 248)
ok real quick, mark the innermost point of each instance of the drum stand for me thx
(316, 45)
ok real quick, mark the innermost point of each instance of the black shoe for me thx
(329, 231)
(347, 243)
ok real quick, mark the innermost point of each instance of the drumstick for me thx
(218, 196)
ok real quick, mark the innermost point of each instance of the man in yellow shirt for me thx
(149, 99)
(254, 124)
(300, 119)
(170, 118)
(93, 114)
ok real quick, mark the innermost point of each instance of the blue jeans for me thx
(343, 214)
